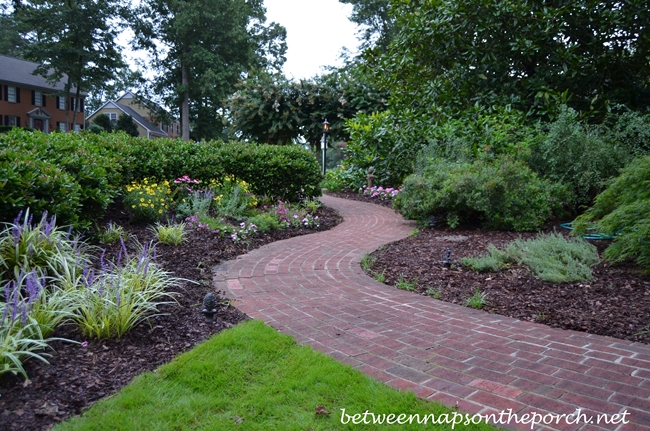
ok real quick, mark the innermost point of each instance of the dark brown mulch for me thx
(77, 376)
(616, 303)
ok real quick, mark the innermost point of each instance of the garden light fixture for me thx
(209, 307)
(323, 141)
(447, 261)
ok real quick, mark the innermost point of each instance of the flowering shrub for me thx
(148, 201)
(310, 221)
(243, 232)
(379, 192)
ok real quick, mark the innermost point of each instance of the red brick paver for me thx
(312, 287)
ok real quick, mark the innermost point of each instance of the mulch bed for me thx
(616, 303)
(78, 376)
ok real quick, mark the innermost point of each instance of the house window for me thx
(12, 120)
(11, 94)
(62, 126)
(113, 117)
(77, 128)
(38, 98)
(60, 102)
(73, 103)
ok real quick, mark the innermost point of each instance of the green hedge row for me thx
(77, 175)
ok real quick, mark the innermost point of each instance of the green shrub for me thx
(286, 172)
(386, 141)
(578, 155)
(38, 185)
(92, 173)
(344, 178)
(492, 261)
(265, 222)
(503, 194)
(629, 130)
(103, 121)
(549, 257)
(623, 209)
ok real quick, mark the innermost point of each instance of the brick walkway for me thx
(313, 288)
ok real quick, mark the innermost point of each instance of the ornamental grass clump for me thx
(148, 200)
(41, 246)
(171, 234)
(28, 315)
(120, 297)
(111, 234)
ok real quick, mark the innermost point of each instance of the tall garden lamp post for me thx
(323, 141)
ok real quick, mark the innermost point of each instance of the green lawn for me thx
(251, 377)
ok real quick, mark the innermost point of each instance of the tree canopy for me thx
(201, 49)
(272, 109)
(529, 54)
(72, 37)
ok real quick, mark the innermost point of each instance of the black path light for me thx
(323, 141)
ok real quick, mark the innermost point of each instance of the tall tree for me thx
(125, 123)
(530, 54)
(200, 49)
(74, 38)
(376, 21)
(11, 42)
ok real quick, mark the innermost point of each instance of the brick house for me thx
(141, 114)
(28, 100)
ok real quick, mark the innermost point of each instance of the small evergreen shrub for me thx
(503, 194)
(623, 210)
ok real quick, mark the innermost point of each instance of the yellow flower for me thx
(132, 206)
(159, 211)
(141, 199)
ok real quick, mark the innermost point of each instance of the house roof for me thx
(136, 117)
(19, 72)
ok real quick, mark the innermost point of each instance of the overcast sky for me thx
(317, 31)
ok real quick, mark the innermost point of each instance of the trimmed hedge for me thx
(84, 172)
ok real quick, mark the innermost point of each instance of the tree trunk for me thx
(77, 106)
(185, 104)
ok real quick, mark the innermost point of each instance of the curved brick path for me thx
(313, 288)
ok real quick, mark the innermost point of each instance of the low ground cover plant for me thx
(265, 381)
(550, 257)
